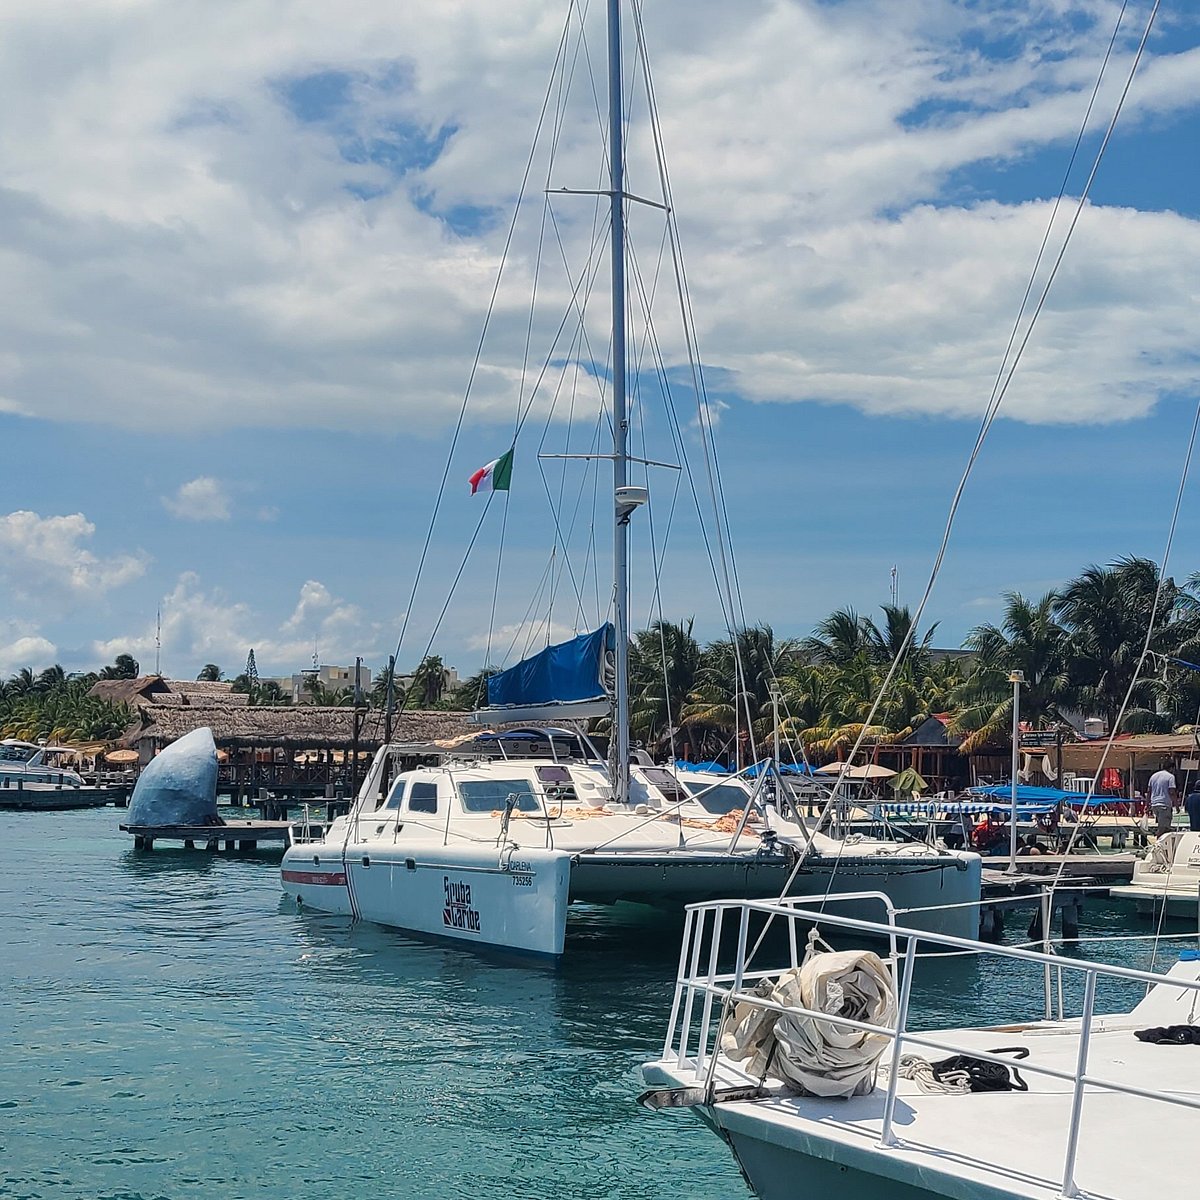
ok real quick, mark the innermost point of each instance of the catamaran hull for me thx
(514, 902)
(664, 880)
(938, 894)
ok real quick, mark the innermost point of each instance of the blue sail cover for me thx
(570, 671)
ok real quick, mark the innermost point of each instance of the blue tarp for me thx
(715, 767)
(572, 670)
(784, 769)
(1049, 797)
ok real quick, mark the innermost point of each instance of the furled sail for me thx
(571, 679)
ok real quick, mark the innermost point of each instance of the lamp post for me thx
(1016, 678)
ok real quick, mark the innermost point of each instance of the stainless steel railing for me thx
(692, 1039)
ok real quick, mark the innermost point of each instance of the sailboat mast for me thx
(616, 174)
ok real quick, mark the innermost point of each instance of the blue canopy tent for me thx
(1048, 798)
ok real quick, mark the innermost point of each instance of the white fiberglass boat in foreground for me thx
(806, 1066)
(1169, 875)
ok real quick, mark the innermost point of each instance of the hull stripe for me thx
(321, 878)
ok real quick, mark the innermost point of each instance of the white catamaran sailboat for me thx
(491, 848)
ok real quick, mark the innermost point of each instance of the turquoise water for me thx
(171, 1028)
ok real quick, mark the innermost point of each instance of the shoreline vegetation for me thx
(1080, 648)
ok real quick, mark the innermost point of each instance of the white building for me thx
(331, 678)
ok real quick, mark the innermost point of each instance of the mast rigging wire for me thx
(995, 402)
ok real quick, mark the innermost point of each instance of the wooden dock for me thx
(232, 835)
(1101, 868)
(55, 797)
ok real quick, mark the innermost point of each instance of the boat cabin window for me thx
(491, 795)
(560, 787)
(422, 798)
(17, 754)
(723, 798)
(665, 782)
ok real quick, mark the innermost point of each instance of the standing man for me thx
(1163, 794)
(1192, 803)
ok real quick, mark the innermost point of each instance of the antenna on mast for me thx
(895, 585)
(158, 642)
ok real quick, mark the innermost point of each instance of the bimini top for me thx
(534, 742)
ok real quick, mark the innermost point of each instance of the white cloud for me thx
(43, 560)
(202, 625)
(509, 644)
(200, 499)
(210, 261)
(29, 650)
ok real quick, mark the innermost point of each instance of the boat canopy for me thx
(567, 672)
(1049, 797)
(713, 768)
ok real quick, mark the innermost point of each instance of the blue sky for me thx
(239, 325)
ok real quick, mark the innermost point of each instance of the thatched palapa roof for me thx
(298, 727)
(154, 689)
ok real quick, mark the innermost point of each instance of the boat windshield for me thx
(17, 754)
(723, 798)
(491, 795)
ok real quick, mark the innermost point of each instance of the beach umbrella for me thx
(121, 756)
(870, 771)
(909, 782)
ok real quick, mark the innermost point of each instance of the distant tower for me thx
(251, 668)
(158, 643)
(895, 586)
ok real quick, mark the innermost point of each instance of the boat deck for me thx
(1002, 1144)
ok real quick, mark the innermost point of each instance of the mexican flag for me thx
(495, 477)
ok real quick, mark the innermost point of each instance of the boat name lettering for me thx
(457, 912)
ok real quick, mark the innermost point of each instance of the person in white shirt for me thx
(1163, 794)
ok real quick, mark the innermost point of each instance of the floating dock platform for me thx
(56, 797)
(232, 835)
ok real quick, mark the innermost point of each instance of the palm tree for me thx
(898, 633)
(269, 692)
(210, 673)
(428, 683)
(1108, 611)
(470, 693)
(327, 697)
(22, 682)
(734, 682)
(1029, 640)
(838, 639)
(51, 677)
(663, 665)
(124, 666)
